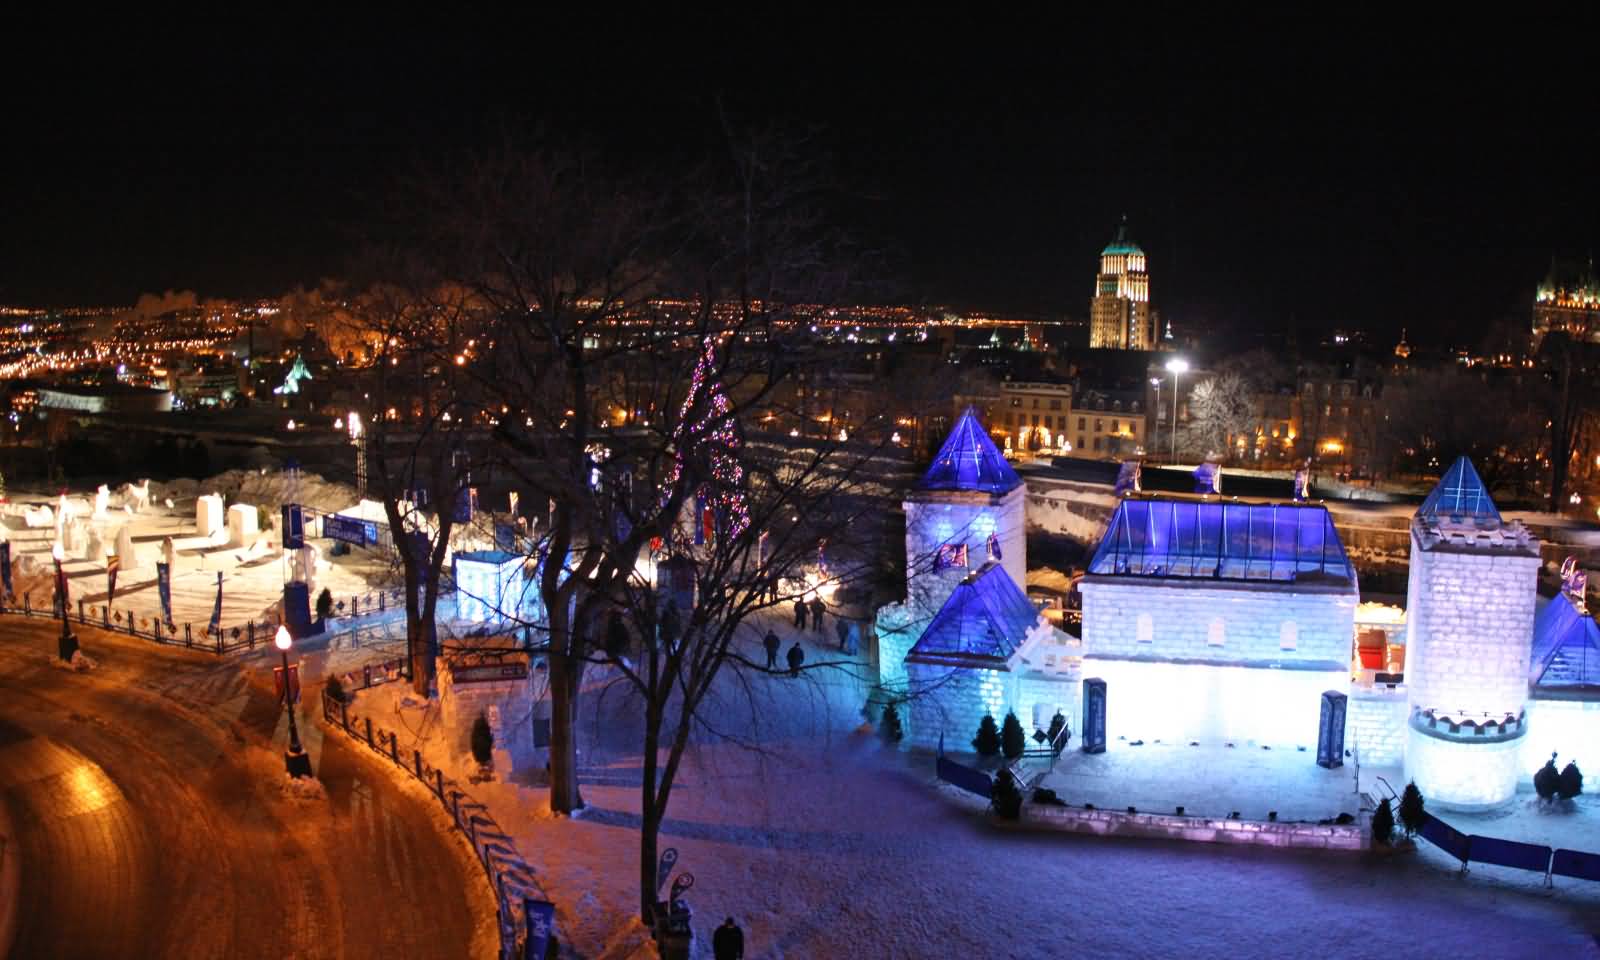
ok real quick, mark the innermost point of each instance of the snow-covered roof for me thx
(370, 510)
(969, 460)
(1460, 493)
(1566, 646)
(982, 624)
(1225, 541)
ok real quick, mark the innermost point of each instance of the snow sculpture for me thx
(208, 514)
(137, 496)
(127, 555)
(38, 518)
(102, 497)
(242, 527)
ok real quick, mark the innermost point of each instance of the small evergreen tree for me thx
(889, 727)
(987, 742)
(1412, 815)
(1058, 723)
(1382, 824)
(1547, 781)
(1005, 798)
(1012, 740)
(482, 740)
(334, 688)
(324, 604)
(1571, 783)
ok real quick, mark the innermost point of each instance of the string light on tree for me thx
(718, 432)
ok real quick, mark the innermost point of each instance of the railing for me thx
(508, 873)
(233, 638)
(1510, 853)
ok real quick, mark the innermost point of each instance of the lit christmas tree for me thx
(718, 431)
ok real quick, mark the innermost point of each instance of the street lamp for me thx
(1177, 366)
(68, 644)
(1155, 382)
(295, 759)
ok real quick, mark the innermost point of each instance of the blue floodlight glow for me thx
(1460, 493)
(969, 460)
(1225, 541)
(982, 623)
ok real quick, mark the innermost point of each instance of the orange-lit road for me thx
(149, 819)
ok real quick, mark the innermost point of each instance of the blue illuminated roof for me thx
(969, 460)
(981, 624)
(1460, 493)
(1566, 646)
(1225, 541)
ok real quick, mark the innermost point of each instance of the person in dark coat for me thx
(772, 643)
(796, 657)
(669, 624)
(800, 613)
(728, 942)
(817, 609)
(841, 627)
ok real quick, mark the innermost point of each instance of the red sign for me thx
(294, 681)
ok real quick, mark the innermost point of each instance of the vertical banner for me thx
(164, 590)
(5, 566)
(216, 611)
(112, 563)
(700, 518)
(1094, 715)
(541, 919)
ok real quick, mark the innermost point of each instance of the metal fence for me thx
(508, 873)
(234, 638)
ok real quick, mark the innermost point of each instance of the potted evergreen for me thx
(987, 742)
(483, 747)
(1412, 814)
(1012, 740)
(1382, 826)
(889, 729)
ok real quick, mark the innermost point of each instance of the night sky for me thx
(1368, 175)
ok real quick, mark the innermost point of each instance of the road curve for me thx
(149, 820)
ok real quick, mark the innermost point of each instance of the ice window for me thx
(1216, 632)
(1146, 629)
(1288, 635)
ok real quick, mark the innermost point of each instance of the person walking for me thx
(772, 643)
(841, 628)
(817, 608)
(796, 657)
(800, 613)
(728, 942)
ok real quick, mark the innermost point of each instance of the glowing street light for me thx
(1177, 366)
(295, 760)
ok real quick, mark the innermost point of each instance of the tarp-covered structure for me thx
(1225, 541)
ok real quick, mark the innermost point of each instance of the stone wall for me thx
(1212, 704)
(1202, 620)
(1457, 775)
(1042, 816)
(1568, 728)
(1375, 727)
(510, 707)
(1470, 629)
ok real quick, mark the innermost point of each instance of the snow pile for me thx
(302, 789)
(80, 662)
(270, 488)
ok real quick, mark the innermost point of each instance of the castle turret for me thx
(1470, 605)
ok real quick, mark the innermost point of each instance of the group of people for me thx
(813, 611)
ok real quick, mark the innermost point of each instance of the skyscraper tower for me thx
(1119, 315)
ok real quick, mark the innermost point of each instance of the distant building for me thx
(1120, 317)
(1568, 299)
(105, 399)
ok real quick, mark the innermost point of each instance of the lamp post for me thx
(295, 760)
(1155, 382)
(68, 644)
(1177, 366)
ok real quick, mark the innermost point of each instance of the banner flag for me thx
(164, 589)
(112, 563)
(216, 611)
(5, 566)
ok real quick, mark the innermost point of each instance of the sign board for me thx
(541, 919)
(490, 672)
(294, 527)
(294, 681)
(362, 533)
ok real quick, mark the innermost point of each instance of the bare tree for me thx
(1221, 409)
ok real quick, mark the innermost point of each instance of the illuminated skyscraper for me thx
(1120, 317)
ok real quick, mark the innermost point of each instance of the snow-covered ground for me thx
(821, 844)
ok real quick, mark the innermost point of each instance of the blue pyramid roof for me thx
(969, 460)
(981, 624)
(1460, 493)
(1566, 646)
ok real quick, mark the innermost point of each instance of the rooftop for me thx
(969, 460)
(1219, 540)
(1460, 495)
(982, 623)
(1566, 647)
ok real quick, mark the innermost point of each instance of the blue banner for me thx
(216, 611)
(5, 566)
(164, 589)
(1576, 863)
(1445, 837)
(362, 533)
(466, 499)
(541, 915)
(699, 518)
(1509, 853)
